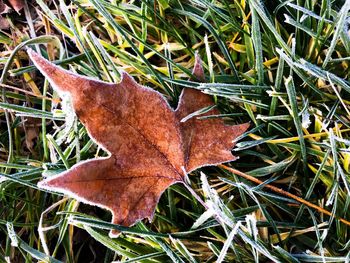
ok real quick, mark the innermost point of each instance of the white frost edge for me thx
(67, 192)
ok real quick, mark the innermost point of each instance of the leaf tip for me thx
(43, 184)
(43, 65)
(61, 80)
(31, 53)
(48, 184)
(126, 79)
(239, 130)
(198, 71)
(244, 126)
(125, 76)
(114, 233)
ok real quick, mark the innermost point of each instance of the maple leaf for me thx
(150, 145)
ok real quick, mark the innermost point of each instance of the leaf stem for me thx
(282, 192)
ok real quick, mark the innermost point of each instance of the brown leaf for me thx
(149, 147)
(17, 5)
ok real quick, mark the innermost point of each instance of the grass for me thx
(281, 65)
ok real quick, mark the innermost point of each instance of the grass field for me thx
(283, 66)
